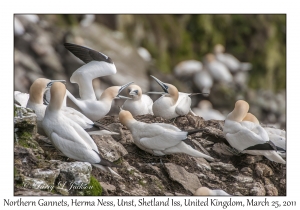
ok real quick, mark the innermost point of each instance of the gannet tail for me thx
(184, 148)
(107, 169)
(102, 132)
(270, 154)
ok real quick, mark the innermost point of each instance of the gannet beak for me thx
(133, 92)
(52, 81)
(162, 85)
(193, 94)
(122, 97)
(121, 107)
(124, 86)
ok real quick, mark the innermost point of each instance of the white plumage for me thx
(140, 104)
(158, 138)
(206, 191)
(248, 137)
(67, 136)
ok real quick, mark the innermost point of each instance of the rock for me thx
(221, 149)
(202, 163)
(243, 179)
(189, 181)
(252, 159)
(271, 190)
(247, 171)
(263, 170)
(108, 187)
(223, 167)
(48, 176)
(109, 148)
(32, 192)
(73, 172)
(258, 189)
(37, 184)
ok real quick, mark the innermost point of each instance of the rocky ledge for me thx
(39, 169)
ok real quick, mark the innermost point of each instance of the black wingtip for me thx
(86, 54)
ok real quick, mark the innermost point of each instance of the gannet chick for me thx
(187, 68)
(35, 102)
(206, 111)
(276, 136)
(217, 69)
(206, 191)
(97, 65)
(172, 103)
(203, 81)
(22, 98)
(248, 137)
(140, 104)
(97, 109)
(159, 138)
(67, 136)
(231, 62)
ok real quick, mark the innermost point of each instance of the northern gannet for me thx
(35, 102)
(97, 65)
(217, 69)
(206, 191)
(277, 136)
(97, 109)
(172, 103)
(159, 138)
(187, 68)
(140, 104)
(248, 137)
(203, 81)
(206, 111)
(232, 63)
(21, 98)
(67, 136)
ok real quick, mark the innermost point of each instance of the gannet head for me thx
(37, 90)
(205, 104)
(219, 48)
(114, 92)
(203, 191)
(58, 92)
(250, 117)
(134, 91)
(239, 112)
(125, 117)
(169, 89)
(209, 58)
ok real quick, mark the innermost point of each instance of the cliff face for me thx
(41, 170)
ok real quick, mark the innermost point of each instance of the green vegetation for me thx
(93, 188)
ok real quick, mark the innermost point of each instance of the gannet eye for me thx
(166, 87)
(136, 91)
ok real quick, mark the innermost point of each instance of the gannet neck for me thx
(110, 93)
(126, 117)
(86, 90)
(203, 191)
(173, 92)
(210, 57)
(250, 117)
(58, 92)
(135, 92)
(37, 90)
(239, 112)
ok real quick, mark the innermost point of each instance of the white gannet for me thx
(277, 136)
(232, 63)
(248, 137)
(140, 104)
(21, 98)
(35, 102)
(67, 136)
(217, 69)
(206, 191)
(159, 138)
(203, 81)
(206, 111)
(97, 65)
(97, 109)
(187, 68)
(172, 103)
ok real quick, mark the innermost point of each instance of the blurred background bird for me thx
(178, 49)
